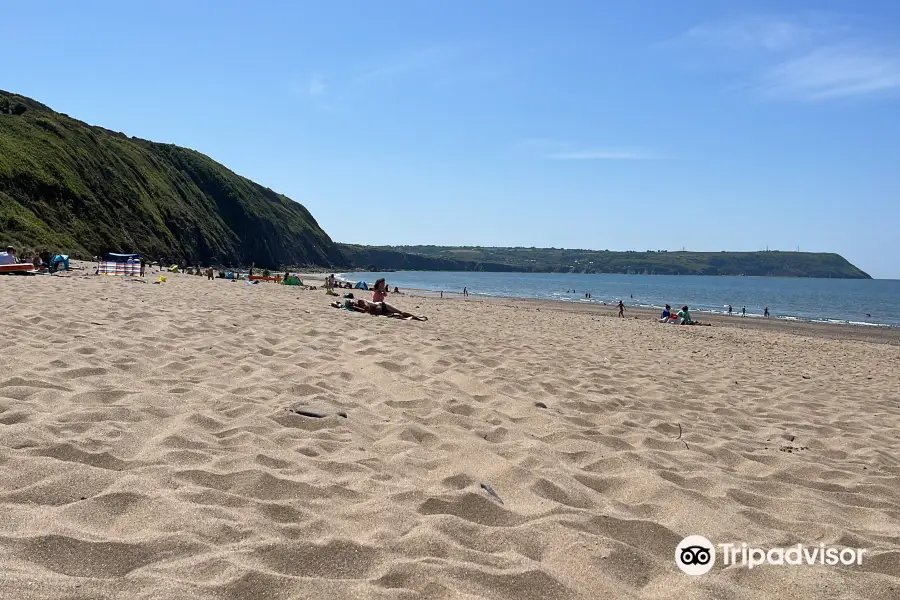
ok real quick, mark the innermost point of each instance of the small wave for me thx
(845, 322)
(545, 287)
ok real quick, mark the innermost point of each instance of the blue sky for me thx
(586, 124)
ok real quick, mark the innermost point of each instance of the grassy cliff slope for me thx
(69, 186)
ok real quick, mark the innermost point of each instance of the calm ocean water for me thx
(828, 300)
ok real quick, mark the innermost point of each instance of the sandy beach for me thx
(150, 447)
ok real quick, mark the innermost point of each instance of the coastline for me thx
(829, 330)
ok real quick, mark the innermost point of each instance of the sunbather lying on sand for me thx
(377, 308)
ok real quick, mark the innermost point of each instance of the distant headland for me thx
(558, 260)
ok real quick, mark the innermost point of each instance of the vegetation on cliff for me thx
(72, 187)
(558, 260)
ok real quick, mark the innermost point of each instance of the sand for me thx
(149, 448)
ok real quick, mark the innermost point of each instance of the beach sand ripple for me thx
(218, 440)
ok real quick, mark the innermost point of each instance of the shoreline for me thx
(885, 334)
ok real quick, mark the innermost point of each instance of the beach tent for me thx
(120, 264)
(292, 280)
(361, 286)
(60, 260)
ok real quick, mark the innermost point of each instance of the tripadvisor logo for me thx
(696, 555)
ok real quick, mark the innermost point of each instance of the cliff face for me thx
(85, 190)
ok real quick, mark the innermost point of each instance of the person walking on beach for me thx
(621, 309)
(766, 312)
(729, 310)
(143, 266)
(744, 312)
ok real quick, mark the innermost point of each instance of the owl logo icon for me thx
(695, 555)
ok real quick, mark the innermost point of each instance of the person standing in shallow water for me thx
(465, 292)
(766, 312)
(744, 311)
(621, 309)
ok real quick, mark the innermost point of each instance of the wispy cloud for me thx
(762, 32)
(312, 90)
(542, 144)
(316, 85)
(563, 150)
(434, 67)
(423, 59)
(832, 72)
(602, 154)
(803, 57)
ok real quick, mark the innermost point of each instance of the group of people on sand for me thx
(10, 257)
(26, 257)
(682, 317)
(331, 282)
(42, 261)
(378, 305)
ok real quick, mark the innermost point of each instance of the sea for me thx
(864, 302)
